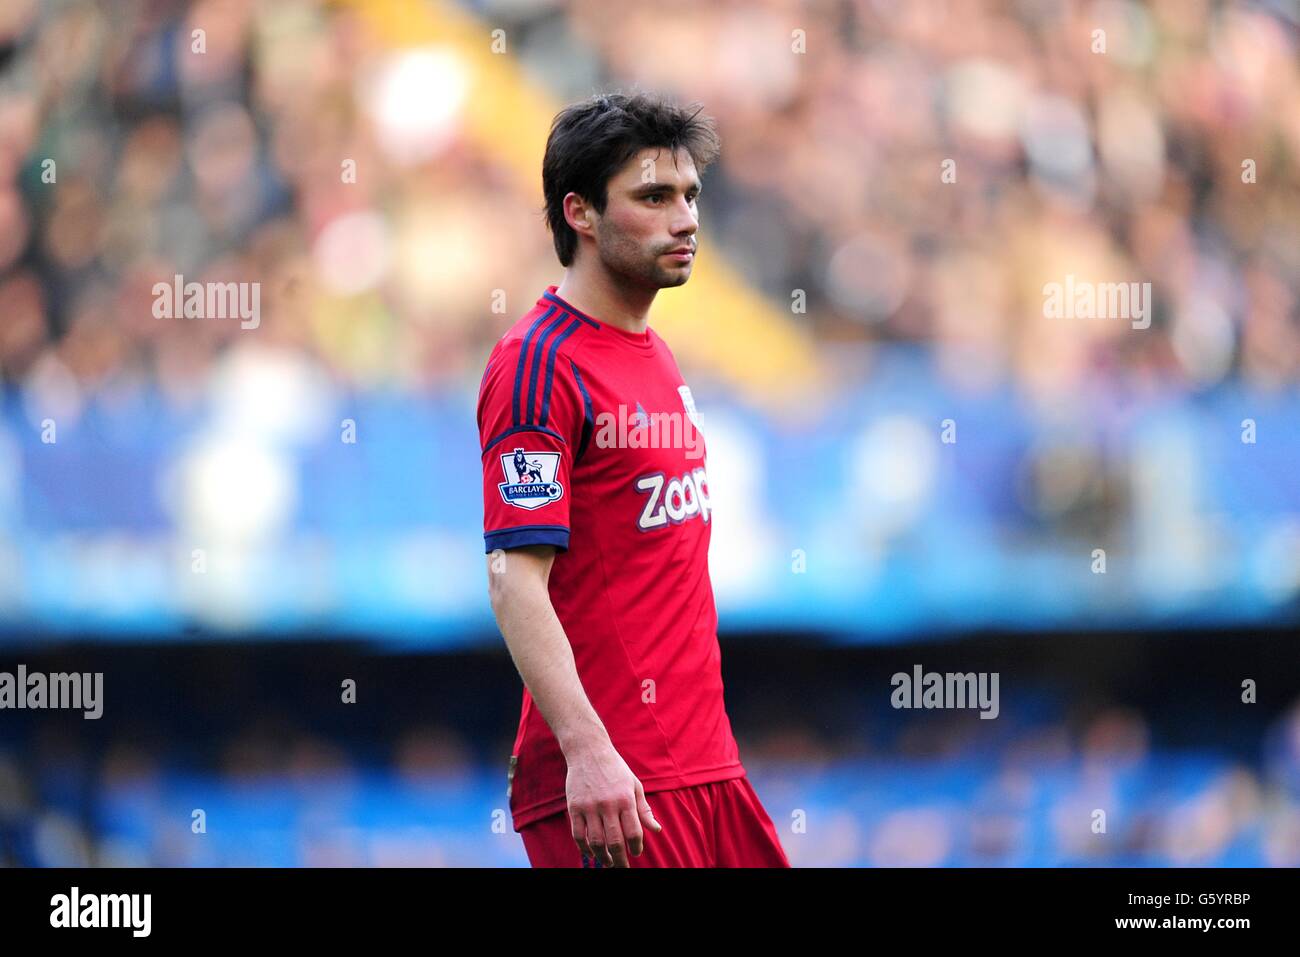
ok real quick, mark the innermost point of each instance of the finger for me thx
(644, 812)
(615, 843)
(578, 827)
(596, 838)
(632, 832)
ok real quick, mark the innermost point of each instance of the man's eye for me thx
(655, 196)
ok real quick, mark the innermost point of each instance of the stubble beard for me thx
(631, 265)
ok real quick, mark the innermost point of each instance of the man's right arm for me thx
(607, 804)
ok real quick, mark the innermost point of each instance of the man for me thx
(598, 557)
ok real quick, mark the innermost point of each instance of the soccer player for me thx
(596, 520)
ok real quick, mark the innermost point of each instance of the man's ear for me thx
(578, 212)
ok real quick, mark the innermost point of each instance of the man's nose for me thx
(685, 222)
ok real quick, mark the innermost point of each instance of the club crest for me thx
(688, 403)
(530, 478)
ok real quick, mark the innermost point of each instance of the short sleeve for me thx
(531, 417)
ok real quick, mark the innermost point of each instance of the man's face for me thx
(647, 233)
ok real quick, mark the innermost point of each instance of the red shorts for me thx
(720, 824)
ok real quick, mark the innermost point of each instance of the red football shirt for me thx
(590, 444)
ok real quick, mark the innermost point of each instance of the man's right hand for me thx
(607, 806)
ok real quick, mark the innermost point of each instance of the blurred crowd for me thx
(1122, 165)
(281, 795)
(286, 144)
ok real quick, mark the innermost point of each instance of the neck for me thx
(599, 295)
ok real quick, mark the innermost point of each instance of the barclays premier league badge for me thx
(530, 478)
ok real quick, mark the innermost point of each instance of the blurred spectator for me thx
(1115, 166)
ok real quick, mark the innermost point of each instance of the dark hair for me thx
(591, 140)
